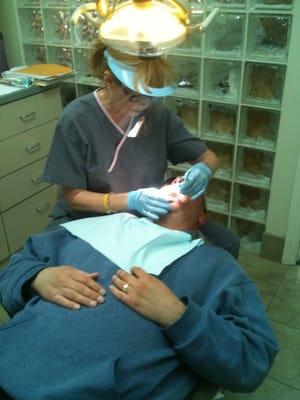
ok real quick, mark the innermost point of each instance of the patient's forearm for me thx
(22, 267)
(234, 350)
(84, 200)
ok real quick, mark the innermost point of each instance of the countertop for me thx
(9, 93)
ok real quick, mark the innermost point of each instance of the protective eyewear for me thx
(132, 95)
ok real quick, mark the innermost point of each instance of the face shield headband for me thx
(125, 74)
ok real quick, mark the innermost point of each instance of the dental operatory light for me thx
(145, 28)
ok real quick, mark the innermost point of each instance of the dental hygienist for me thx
(111, 147)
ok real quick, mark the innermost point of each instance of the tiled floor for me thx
(279, 286)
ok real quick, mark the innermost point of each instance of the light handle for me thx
(202, 26)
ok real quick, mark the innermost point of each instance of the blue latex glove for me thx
(148, 202)
(195, 180)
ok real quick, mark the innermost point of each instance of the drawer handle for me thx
(43, 208)
(31, 148)
(37, 180)
(28, 117)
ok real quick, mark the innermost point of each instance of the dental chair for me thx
(204, 389)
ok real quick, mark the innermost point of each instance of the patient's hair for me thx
(155, 72)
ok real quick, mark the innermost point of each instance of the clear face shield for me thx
(133, 96)
(124, 75)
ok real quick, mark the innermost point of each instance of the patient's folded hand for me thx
(68, 287)
(148, 296)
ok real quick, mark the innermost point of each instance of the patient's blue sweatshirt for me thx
(110, 352)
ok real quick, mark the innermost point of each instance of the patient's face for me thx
(185, 212)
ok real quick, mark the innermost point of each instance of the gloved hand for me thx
(148, 202)
(195, 180)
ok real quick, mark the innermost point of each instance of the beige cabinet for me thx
(24, 114)
(26, 130)
(28, 217)
(27, 147)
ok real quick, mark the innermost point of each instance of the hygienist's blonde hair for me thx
(155, 72)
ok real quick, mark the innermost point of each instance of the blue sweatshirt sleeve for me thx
(22, 267)
(38, 253)
(233, 344)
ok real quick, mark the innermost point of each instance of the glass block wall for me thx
(230, 86)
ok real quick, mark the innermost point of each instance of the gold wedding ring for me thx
(125, 288)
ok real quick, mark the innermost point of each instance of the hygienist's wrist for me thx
(117, 202)
(207, 169)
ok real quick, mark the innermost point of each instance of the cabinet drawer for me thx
(22, 184)
(26, 148)
(29, 217)
(3, 245)
(30, 112)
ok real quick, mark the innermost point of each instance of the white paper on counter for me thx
(7, 89)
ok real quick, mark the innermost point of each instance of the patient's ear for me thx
(202, 219)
